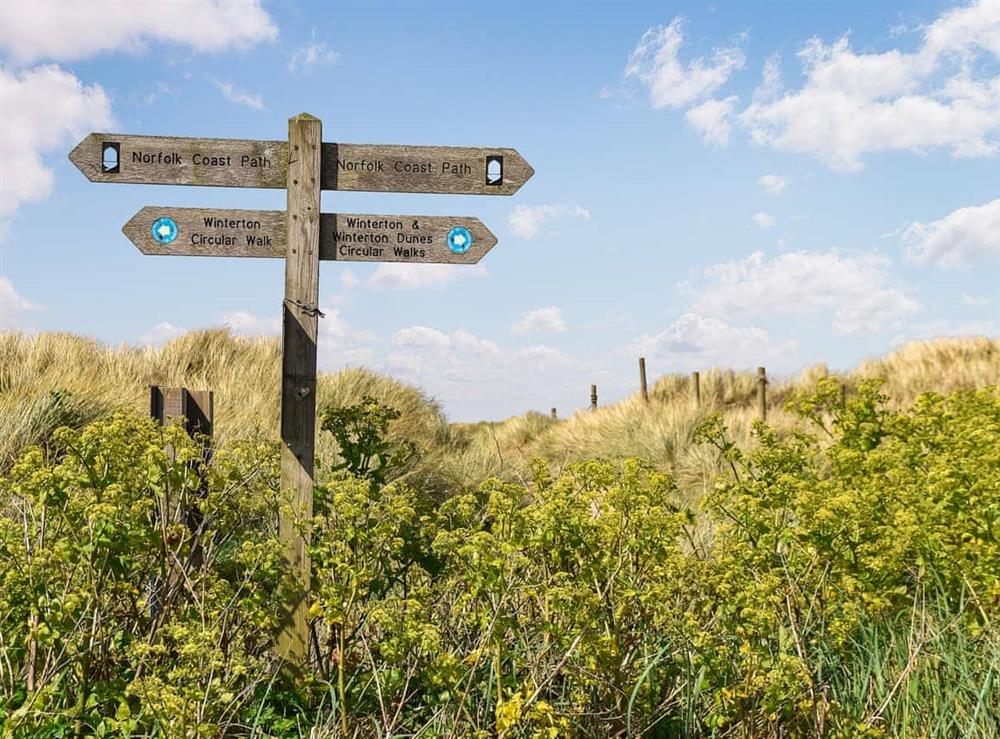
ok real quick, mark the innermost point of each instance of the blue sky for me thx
(726, 184)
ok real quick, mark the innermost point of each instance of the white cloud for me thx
(245, 323)
(655, 62)
(711, 119)
(161, 333)
(695, 342)
(401, 275)
(310, 56)
(763, 220)
(956, 239)
(349, 278)
(339, 344)
(975, 300)
(237, 95)
(853, 104)
(526, 221)
(463, 368)
(855, 289)
(72, 29)
(773, 183)
(540, 320)
(43, 109)
(13, 306)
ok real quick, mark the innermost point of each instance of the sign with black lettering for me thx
(460, 170)
(171, 160)
(343, 237)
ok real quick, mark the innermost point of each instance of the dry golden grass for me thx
(93, 379)
(661, 431)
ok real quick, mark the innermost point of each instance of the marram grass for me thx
(53, 379)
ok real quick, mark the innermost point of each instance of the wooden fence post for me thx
(196, 407)
(762, 393)
(593, 397)
(696, 389)
(642, 380)
(554, 416)
(300, 314)
(843, 396)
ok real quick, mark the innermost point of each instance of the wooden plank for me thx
(171, 404)
(434, 169)
(176, 160)
(298, 370)
(345, 237)
(207, 232)
(762, 393)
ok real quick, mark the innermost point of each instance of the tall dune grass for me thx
(48, 380)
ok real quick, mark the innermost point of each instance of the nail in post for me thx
(298, 371)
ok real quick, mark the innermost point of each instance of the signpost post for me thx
(304, 166)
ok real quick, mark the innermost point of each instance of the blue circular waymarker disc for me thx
(459, 239)
(164, 230)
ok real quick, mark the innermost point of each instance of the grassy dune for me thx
(48, 380)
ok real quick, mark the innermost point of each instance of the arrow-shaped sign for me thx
(343, 237)
(172, 160)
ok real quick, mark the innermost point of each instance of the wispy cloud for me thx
(540, 320)
(856, 289)
(310, 56)
(774, 184)
(955, 240)
(237, 95)
(655, 63)
(526, 221)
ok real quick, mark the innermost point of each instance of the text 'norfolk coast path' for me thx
(172, 160)
(302, 165)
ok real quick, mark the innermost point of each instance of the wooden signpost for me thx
(174, 160)
(304, 166)
(204, 232)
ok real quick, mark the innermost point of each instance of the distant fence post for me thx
(843, 395)
(642, 380)
(593, 397)
(762, 393)
(696, 389)
(554, 416)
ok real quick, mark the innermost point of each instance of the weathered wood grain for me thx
(298, 372)
(346, 237)
(177, 160)
(434, 169)
(762, 393)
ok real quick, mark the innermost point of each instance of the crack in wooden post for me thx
(298, 375)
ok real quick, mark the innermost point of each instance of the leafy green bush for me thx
(840, 580)
(140, 583)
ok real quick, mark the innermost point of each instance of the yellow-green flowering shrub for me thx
(839, 580)
(139, 583)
